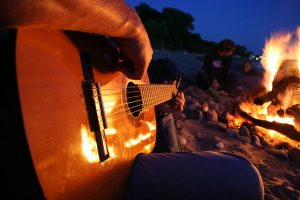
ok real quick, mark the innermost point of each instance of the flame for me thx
(262, 112)
(89, 146)
(285, 120)
(273, 55)
(280, 48)
(298, 49)
(234, 121)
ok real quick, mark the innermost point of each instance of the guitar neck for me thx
(155, 94)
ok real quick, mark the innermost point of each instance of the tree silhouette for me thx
(172, 29)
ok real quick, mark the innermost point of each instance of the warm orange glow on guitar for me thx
(84, 121)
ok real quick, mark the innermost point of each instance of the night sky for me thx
(247, 22)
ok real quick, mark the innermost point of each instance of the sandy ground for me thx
(281, 174)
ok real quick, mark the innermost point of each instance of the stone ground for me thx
(279, 168)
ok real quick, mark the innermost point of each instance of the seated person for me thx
(216, 66)
(248, 67)
(250, 78)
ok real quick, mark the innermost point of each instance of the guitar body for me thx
(55, 117)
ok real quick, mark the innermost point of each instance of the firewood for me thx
(277, 88)
(286, 129)
(294, 111)
(286, 76)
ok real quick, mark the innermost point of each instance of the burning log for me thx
(287, 78)
(294, 111)
(285, 129)
(281, 86)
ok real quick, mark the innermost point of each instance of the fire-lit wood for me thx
(279, 87)
(286, 76)
(285, 129)
(294, 111)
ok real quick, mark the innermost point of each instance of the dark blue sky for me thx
(247, 22)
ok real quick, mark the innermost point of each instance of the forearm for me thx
(113, 18)
(106, 17)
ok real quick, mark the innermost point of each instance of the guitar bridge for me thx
(96, 115)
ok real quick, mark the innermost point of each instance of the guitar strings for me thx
(136, 96)
(111, 115)
(136, 86)
(122, 104)
(122, 116)
(122, 89)
(130, 102)
(129, 92)
(138, 105)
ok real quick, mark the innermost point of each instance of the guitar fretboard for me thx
(154, 94)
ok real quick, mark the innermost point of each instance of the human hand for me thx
(215, 84)
(180, 100)
(139, 51)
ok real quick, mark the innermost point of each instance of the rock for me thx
(204, 105)
(213, 125)
(201, 116)
(255, 138)
(257, 144)
(262, 167)
(183, 141)
(280, 154)
(283, 145)
(190, 100)
(192, 111)
(243, 131)
(245, 139)
(212, 116)
(294, 155)
(285, 184)
(232, 132)
(222, 126)
(266, 144)
(250, 127)
(220, 145)
(192, 107)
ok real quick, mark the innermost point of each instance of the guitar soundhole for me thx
(134, 99)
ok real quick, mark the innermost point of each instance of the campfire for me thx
(275, 112)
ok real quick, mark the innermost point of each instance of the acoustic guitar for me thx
(78, 123)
